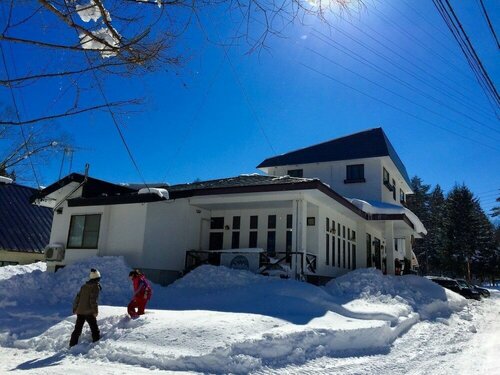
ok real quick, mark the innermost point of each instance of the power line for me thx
(456, 28)
(488, 21)
(395, 107)
(392, 62)
(331, 42)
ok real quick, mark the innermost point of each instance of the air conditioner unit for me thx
(54, 252)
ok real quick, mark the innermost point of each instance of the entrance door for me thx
(216, 241)
(377, 256)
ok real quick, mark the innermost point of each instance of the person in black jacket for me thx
(86, 309)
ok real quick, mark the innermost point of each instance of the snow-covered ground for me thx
(218, 320)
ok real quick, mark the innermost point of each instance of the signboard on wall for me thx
(240, 261)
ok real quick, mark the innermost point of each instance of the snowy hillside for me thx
(219, 320)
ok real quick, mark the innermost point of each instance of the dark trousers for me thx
(80, 320)
(136, 307)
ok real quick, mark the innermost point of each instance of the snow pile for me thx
(44, 288)
(409, 292)
(219, 320)
(7, 272)
(377, 207)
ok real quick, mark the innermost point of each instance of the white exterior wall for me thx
(334, 173)
(122, 232)
(172, 228)
(352, 223)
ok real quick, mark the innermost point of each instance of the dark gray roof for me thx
(23, 226)
(366, 144)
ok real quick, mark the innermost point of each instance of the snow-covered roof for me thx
(5, 180)
(377, 207)
(162, 193)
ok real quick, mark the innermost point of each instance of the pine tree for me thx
(436, 237)
(418, 203)
(462, 227)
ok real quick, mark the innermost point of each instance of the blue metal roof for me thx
(23, 226)
(366, 144)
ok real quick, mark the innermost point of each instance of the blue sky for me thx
(220, 115)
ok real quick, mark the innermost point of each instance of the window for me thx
(386, 177)
(353, 256)
(289, 221)
(338, 252)
(295, 172)
(254, 222)
(387, 180)
(393, 189)
(348, 255)
(343, 254)
(236, 222)
(84, 231)
(333, 250)
(327, 249)
(235, 240)
(328, 224)
(311, 221)
(355, 173)
(343, 231)
(271, 242)
(368, 250)
(271, 222)
(217, 223)
(252, 240)
(401, 196)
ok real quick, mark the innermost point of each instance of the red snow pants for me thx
(136, 307)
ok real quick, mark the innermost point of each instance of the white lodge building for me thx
(321, 210)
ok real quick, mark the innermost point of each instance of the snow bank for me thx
(409, 292)
(38, 288)
(219, 320)
(7, 272)
(162, 193)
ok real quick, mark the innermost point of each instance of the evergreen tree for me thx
(418, 203)
(436, 237)
(495, 211)
(463, 229)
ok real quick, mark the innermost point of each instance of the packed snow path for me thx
(217, 320)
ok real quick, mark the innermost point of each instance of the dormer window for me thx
(355, 173)
(295, 173)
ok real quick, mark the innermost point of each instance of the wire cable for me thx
(488, 21)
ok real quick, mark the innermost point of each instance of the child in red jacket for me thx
(142, 294)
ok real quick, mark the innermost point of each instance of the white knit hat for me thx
(94, 274)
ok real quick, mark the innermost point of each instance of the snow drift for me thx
(216, 319)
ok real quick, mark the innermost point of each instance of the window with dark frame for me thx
(387, 179)
(252, 239)
(343, 253)
(348, 255)
(295, 173)
(338, 252)
(401, 196)
(393, 189)
(353, 256)
(217, 223)
(289, 221)
(235, 240)
(327, 249)
(271, 222)
(84, 231)
(254, 222)
(333, 250)
(271, 242)
(236, 222)
(355, 173)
